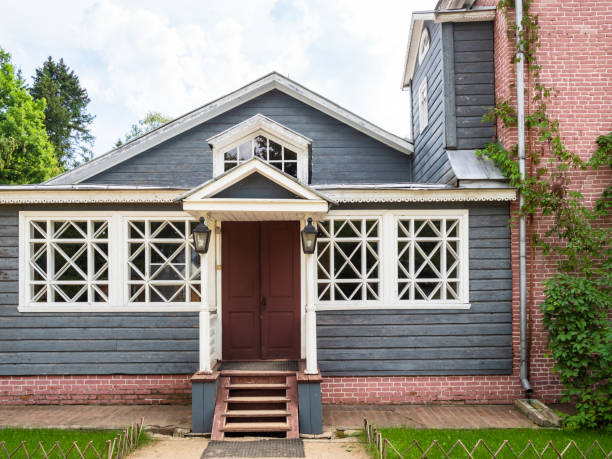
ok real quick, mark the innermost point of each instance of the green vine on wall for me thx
(578, 297)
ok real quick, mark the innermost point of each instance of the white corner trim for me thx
(425, 195)
(412, 49)
(221, 105)
(54, 196)
(236, 174)
(226, 139)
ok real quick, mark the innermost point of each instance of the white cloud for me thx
(172, 57)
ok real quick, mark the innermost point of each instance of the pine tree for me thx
(67, 120)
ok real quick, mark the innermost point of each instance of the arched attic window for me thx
(266, 139)
(423, 44)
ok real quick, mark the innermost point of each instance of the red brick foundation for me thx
(102, 390)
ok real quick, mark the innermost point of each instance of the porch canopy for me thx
(255, 191)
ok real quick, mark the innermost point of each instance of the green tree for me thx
(66, 118)
(26, 155)
(152, 120)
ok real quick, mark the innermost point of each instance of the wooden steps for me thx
(256, 402)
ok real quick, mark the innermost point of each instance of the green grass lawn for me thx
(12, 437)
(402, 438)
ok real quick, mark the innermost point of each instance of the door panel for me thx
(261, 261)
(241, 291)
(280, 285)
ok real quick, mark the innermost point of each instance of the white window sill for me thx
(365, 306)
(60, 307)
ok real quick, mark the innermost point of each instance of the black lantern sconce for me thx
(309, 237)
(201, 237)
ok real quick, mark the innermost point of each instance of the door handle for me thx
(264, 302)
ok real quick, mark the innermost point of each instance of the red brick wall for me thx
(576, 60)
(91, 389)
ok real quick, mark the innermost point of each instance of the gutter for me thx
(520, 97)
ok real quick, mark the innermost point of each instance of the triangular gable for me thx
(272, 81)
(213, 188)
(255, 186)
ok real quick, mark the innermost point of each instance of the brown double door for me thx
(261, 290)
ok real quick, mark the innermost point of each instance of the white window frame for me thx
(342, 303)
(423, 106)
(424, 44)
(117, 269)
(389, 295)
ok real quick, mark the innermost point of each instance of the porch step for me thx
(257, 386)
(256, 413)
(256, 427)
(261, 402)
(266, 399)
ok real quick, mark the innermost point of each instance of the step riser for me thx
(256, 393)
(257, 406)
(258, 379)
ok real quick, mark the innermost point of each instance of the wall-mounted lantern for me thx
(201, 237)
(309, 237)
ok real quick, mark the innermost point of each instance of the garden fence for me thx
(384, 449)
(117, 448)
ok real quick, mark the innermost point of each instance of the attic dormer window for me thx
(423, 45)
(262, 138)
(274, 153)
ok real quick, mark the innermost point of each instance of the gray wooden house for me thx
(410, 274)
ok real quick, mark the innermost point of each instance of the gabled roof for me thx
(255, 165)
(446, 11)
(250, 91)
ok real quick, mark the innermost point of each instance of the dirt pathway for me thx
(192, 448)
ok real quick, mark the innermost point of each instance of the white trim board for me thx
(55, 196)
(200, 115)
(421, 195)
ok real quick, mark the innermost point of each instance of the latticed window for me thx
(428, 259)
(267, 149)
(163, 266)
(348, 260)
(67, 261)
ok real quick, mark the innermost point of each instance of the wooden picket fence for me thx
(385, 449)
(117, 448)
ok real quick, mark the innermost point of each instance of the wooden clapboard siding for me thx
(430, 161)
(80, 343)
(474, 82)
(340, 154)
(435, 342)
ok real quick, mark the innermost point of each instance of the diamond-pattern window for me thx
(162, 265)
(68, 261)
(348, 260)
(267, 149)
(428, 259)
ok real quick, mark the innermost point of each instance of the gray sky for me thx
(173, 56)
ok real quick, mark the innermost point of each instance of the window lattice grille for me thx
(428, 259)
(68, 261)
(275, 154)
(162, 265)
(348, 259)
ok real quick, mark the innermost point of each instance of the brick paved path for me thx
(334, 416)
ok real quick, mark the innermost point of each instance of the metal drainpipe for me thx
(520, 97)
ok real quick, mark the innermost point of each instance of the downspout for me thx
(520, 101)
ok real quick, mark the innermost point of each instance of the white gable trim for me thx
(252, 166)
(250, 127)
(260, 125)
(485, 13)
(221, 105)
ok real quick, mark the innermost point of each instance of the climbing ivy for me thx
(578, 297)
